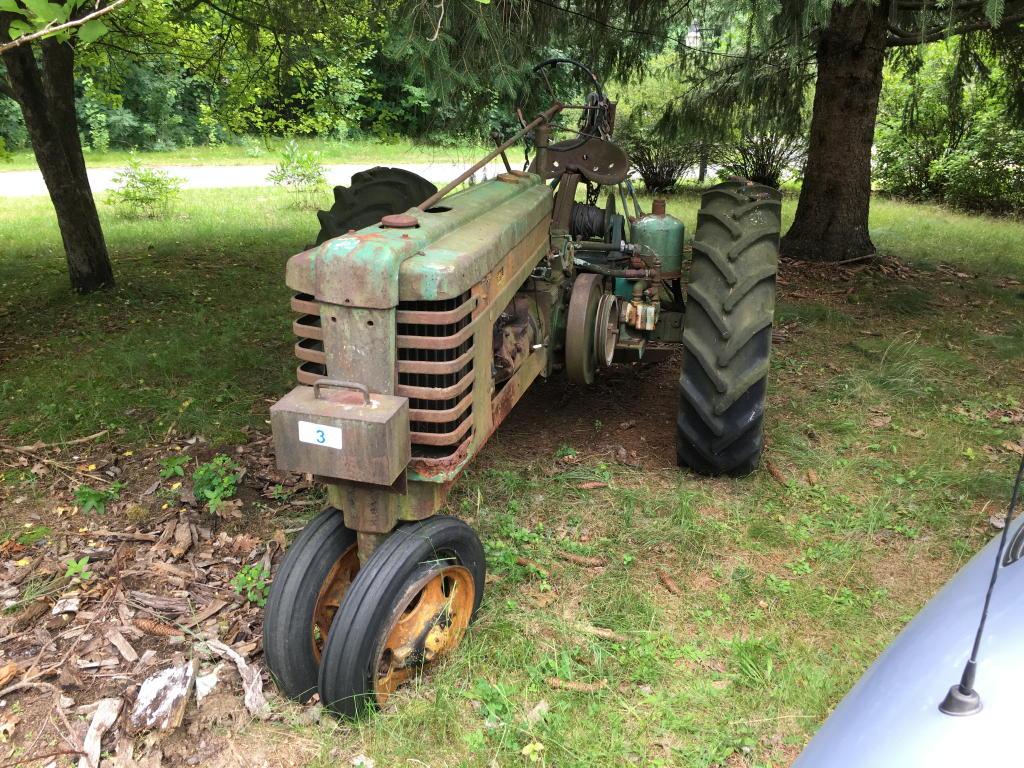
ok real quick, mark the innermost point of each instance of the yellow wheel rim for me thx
(430, 621)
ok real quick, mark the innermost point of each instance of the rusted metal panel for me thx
(454, 263)
(359, 344)
(372, 509)
(436, 368)
(305, 304)
(309, 373)
(311, 350)
(436, 342)
(300, 273)
(341, 433)
(443, 438)
(493, 295)
(365, 268)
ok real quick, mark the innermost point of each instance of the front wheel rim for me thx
(430, 621)
(332, 592)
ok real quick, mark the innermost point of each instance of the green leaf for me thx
(92, 30)
(11, 6)
(47, 12)
(19, 28)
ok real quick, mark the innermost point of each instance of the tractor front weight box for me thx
(340, 430)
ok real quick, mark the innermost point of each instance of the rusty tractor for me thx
(424, 314)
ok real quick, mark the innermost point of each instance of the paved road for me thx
(28, 183)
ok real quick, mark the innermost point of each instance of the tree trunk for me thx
(46, 95)
(831, 221)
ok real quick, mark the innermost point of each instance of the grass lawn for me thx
(895, 400)
(260, 152)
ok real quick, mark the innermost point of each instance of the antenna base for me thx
(959, 703)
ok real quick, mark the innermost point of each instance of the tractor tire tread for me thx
(727, 334)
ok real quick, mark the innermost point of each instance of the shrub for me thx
(660, 162)
(986, 172)
(143, 192)
(301, 173)
(763, 158)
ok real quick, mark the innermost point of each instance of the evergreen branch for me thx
(681, 42)
(896, 41)
(52, 29)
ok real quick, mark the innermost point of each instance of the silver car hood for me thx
(891, 716)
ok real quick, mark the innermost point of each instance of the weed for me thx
(251, 583)
(215, 481)
(301, 173)
(78, 569)
(96, 499)
(34, 535)
(173, 466)
(34, 589)
(280, 493)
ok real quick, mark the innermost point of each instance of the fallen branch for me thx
(584, 560)
(65, 444)
(576, 686)
(603, 633)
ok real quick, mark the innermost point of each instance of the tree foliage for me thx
(945, 132)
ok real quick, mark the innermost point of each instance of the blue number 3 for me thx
(320, 436)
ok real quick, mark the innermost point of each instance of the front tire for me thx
(304, 598)
(410, 605)
(728, 329)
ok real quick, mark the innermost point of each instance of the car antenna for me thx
(962, 699)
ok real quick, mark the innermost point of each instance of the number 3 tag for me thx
(320, 434)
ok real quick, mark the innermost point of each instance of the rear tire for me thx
(373, 194)
(728, 329)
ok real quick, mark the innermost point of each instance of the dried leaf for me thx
(669, 583)
(8, 672)
(7, 724)
(775, 472)
(1017, 448)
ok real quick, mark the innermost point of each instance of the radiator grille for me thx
(435, 371)
(435, 366)
(310, 347)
